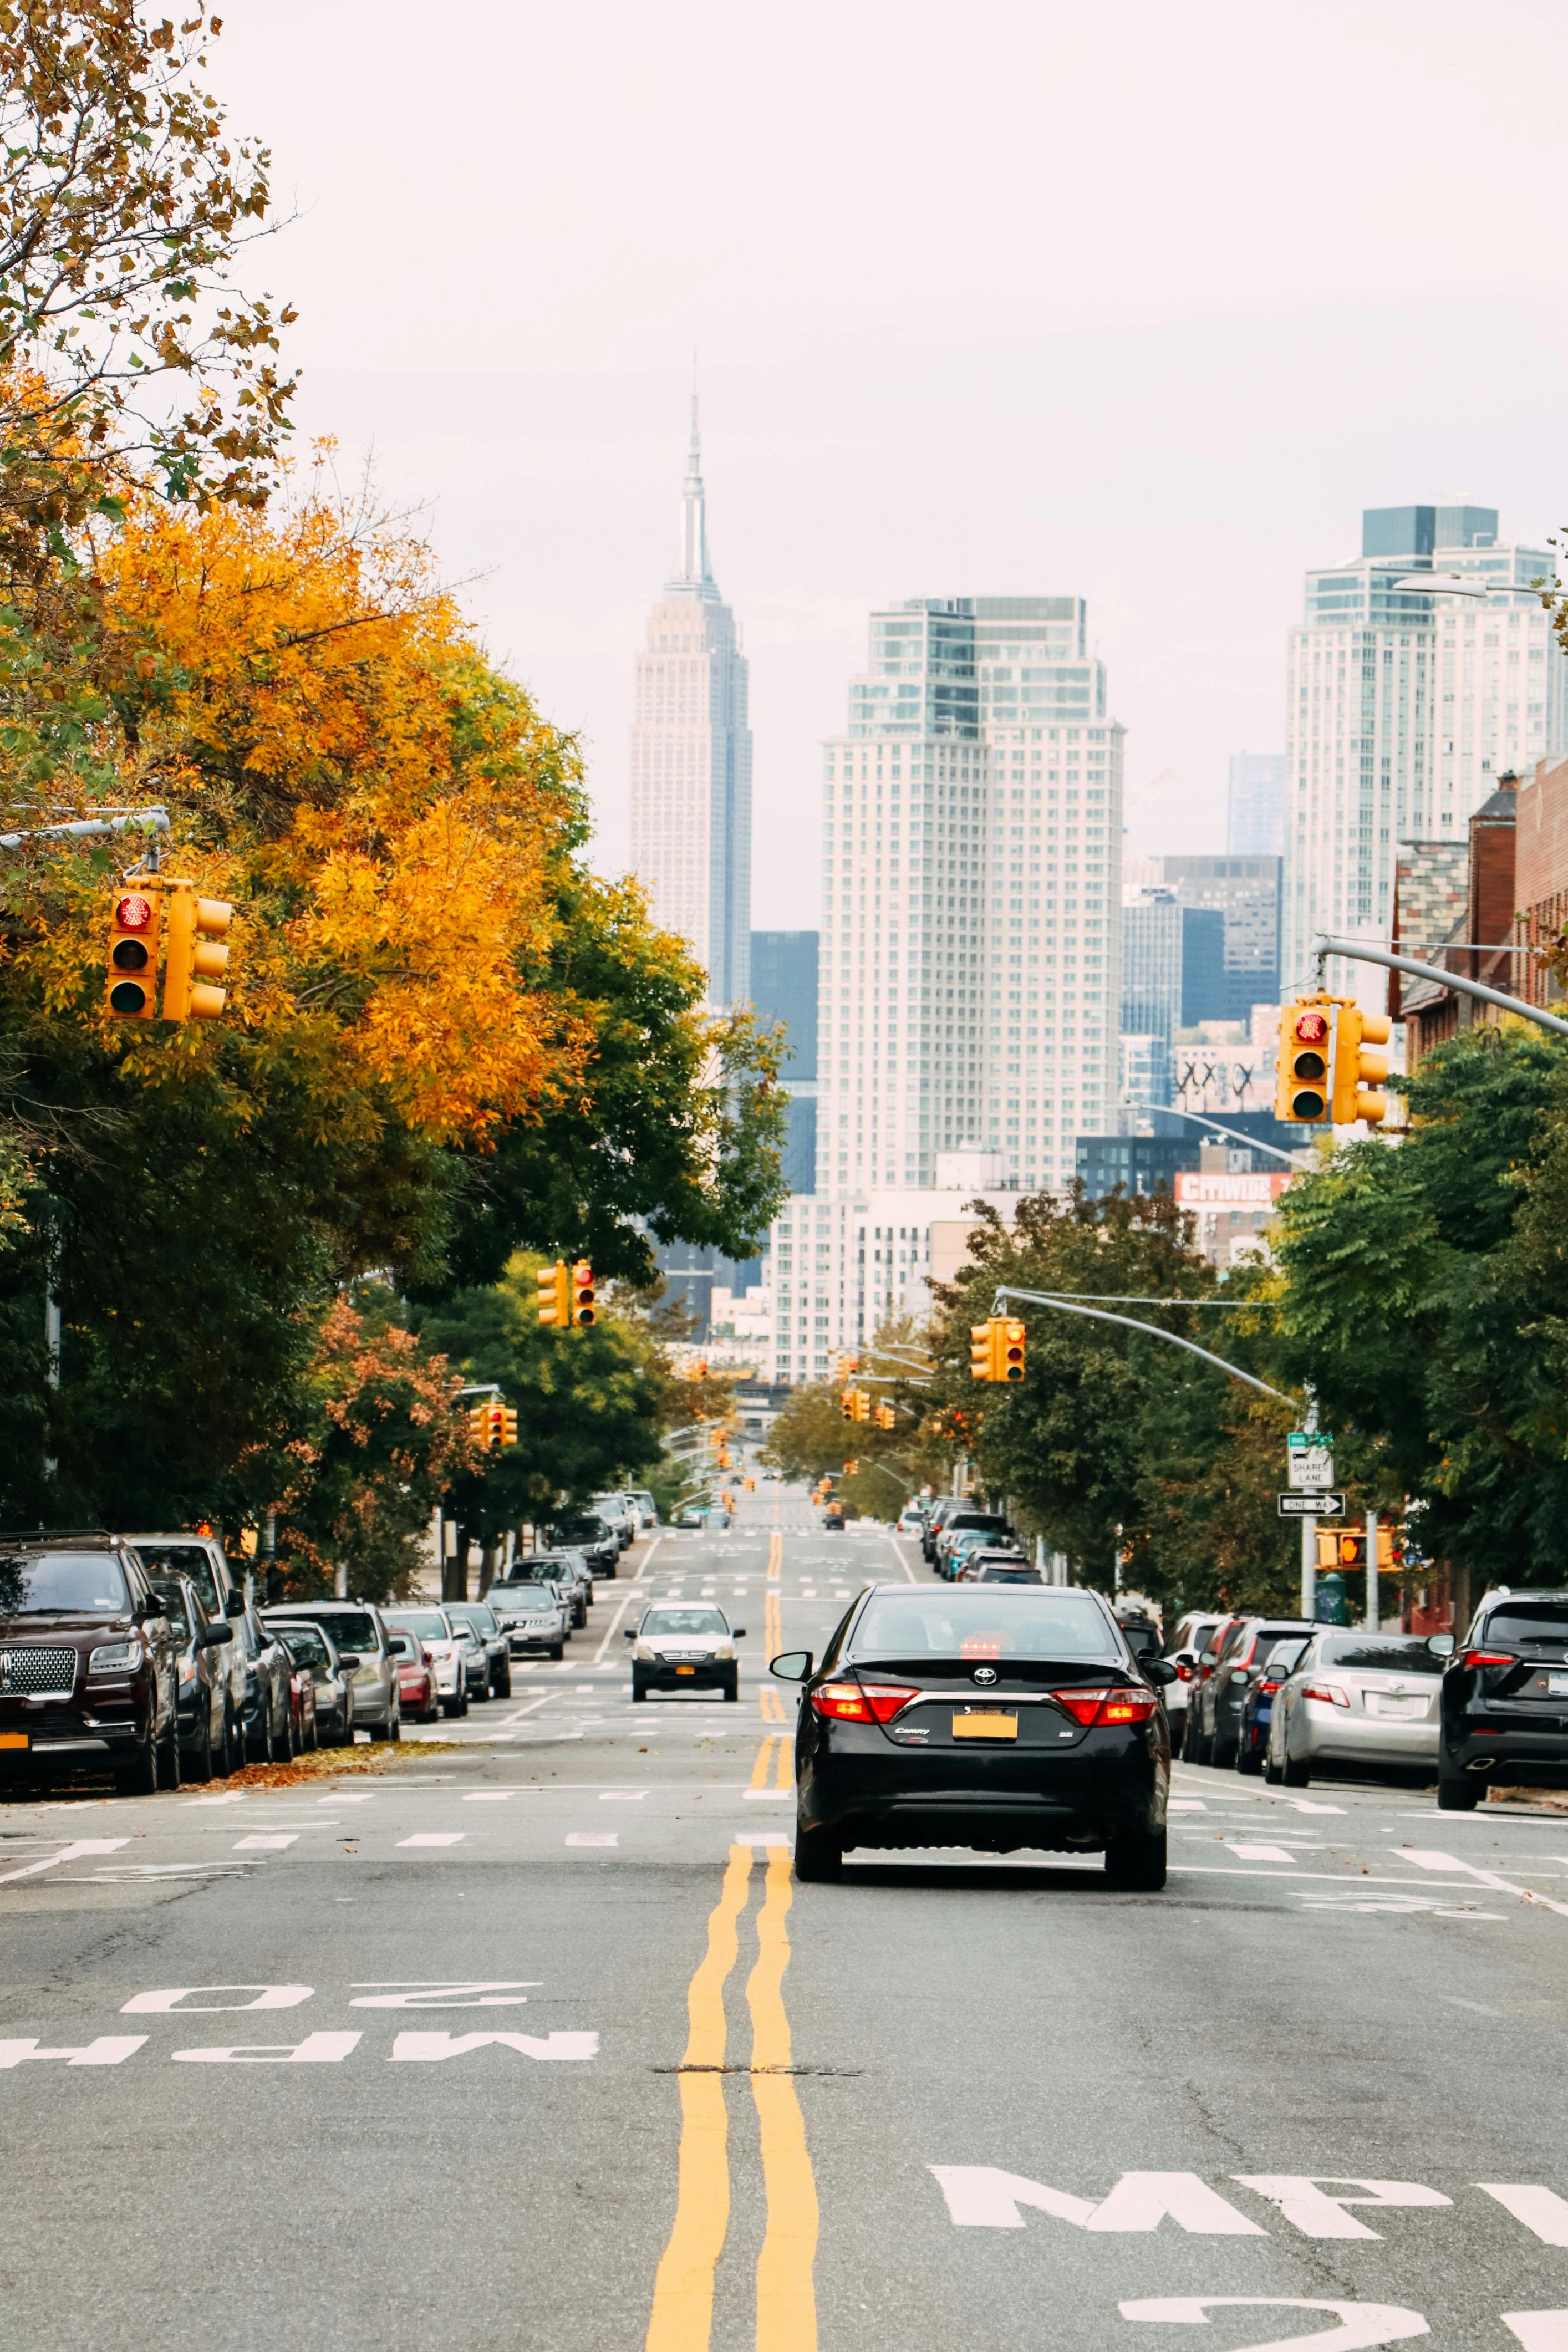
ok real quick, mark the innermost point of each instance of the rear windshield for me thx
(172, 1601)
(1371, 1653)
(182, 1559)
(305, 1645)
(1143, 1640)
(1009, 1575)
(1525, 1624)
(348, 1630)
(474, 1612)
(976, 1622)
(575, 1531)
(428, 1624)
(65, 1584)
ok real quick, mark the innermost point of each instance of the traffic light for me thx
(131, 956)
(851, 1469)
(996, 1349)
(479, 1420)
(196, 955)
(1346, 1548)
(980, 1352)
(1301, 1096)
(846, 1405)
(884, 1416)
(1358, 1075)
(582, 1292)
(555, 1294)
(862, 1405)
(508, 1425)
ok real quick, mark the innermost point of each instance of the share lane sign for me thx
(1310, 1507)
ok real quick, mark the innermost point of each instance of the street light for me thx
(1467, 584)
(1136, 1102)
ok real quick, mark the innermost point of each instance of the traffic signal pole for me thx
(1373, 1598)
(1098, 1315)
(1354, 951)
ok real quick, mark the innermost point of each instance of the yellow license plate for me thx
(685, 1670)
(12, 1740)
(978, 1725)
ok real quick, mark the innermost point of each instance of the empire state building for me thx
(691, 761)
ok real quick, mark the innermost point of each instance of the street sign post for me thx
(1310, 1507)
(1309, 1460)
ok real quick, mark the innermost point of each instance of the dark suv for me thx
(89, 1663)
(1505, 1700)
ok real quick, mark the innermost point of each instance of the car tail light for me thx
(1488, 1658)
(1329, 1692)
(861, 1702)
(1184, 1673)
(1264, 1688)
(1123, 1705)
(885, 1699)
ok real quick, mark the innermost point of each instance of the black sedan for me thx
(1505, 1701)
(997, 1717)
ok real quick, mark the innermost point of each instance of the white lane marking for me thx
(435, 1837)
(161, 2003)
(1430, 1861)
(490, 1796)
(1308, 1805)
(1481, 2008)
(72, 1852)
(1539, 2331)
(251, 1844)
(1185, 1805)
(1250, 1852)
(316, 2050)
(622, 1796)
(767, 1796)
(1541, 2210)
(1364, 1878)
(630, 1594)
(108, 2050)
(761, 1837)
(508, 1719)
(1316, 2204)
(232, 1797)
(430, 2048)
(1363, 2324)
(346, 1797)
(584, 1690)
(592, 1837)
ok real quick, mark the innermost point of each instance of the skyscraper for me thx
(971, 941)
(783, 989)
(1405, 705)
(691, 761)
(1245, 892)
(1254, 804)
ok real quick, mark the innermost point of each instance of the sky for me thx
(1136, 302)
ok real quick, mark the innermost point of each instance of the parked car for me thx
(586, 1533)
(475, 1657)
(940, 1511)
(267, 1714)
(448, 1651)
(912, 1521)
(1504, 1704)
(419, 1692)
(203, 1560)
(310, 1647)
(968, 1519)
(1183, 1651)
(1358, 1702)
(207, 1741)
(498, 1654)
(303, 1731)
(619, 1514)
(360, 1634)
(648, 1510)
(533, 1614)
(1000, 1568)
(1257, 1706)
(833, 1519)
(91, 1676)
(1214, 1728)
(998, 1719)
(971, 1540)
(681, 1648)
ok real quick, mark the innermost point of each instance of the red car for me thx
(416, 1676)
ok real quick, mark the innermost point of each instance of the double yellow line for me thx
(774, 1758)
(682, 2318)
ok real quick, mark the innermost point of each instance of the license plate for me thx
(12, 1740)
(1379, 1704)
(1557, 1685)
(978, 1725)
(685, 1670)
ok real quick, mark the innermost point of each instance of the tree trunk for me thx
(487, 1567)
(455, 1571)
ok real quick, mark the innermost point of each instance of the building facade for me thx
(971, 938)
(1254, 804)
(1405, 705)
(691, 793)
(1244, 893)
(783, 995)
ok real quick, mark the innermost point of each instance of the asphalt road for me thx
(537, 2045)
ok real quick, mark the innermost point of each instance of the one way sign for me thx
(1310, 1507)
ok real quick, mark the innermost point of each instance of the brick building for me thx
(1456, 904)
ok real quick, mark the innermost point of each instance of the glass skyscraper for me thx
(1254, 804)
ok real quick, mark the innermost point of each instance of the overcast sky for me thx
(1139, 302)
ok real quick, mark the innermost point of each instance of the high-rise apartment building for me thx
(691, 761)
(1254, 804)
(783, 995)
(1405, 705)
(970, 937)
(1244, 893)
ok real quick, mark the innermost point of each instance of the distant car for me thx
(967, 1541)
(940, 1511)
(498, 1655)
(1214, 1729)
(446, 1647)
(618, 1512)
(419, 1692)
(206, 1744)
(1183, 1651)
(679, 1648)
(833, 1520)
(303, 1731)
(1360, 1702)
(993, 1567)
(1258, 1707)
(533, 1614)
(911, 1520)
(968, 1520)
(567, 1571)
(267, 1713)
(359, 1632)
(587, 1533)
(1504, 1712)
(648, 1510)
(203, 1560)
(977, 1556)
(312, 1647)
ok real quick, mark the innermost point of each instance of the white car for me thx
(1358, 1702)
(449, 1646)
(684, 1648)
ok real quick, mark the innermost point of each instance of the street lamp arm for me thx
(1355, 952)
(1135, 1102)
(1098, 1315)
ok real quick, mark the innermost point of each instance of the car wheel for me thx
(1456, 1793)
(1136, 1860)
(557, 1650)
(732, 1689)
(395, 1728)
(201, 1762)
(1178, 1724)
(503, 1688)
(1203, 1749)
(1295, 1772)
(1250, 1761)
(233, 1742)
(296, 1737)
(1223, 1754)
(348, 1731)
(315, 1738)
(1271, 1771)
(640, 1688)
(451, 1706)
(818, 1856)
(139, 1778)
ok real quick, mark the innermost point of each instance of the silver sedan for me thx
(1358, 1702)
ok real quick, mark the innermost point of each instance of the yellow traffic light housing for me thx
(555, 1294)
(197, 955)
(508, 1425)
(1358, 1075)
(583, 1309)
(1302, 1092)
(851, 1469)
(884, 1416)
(479, 1420)
(1007, 1348)
(980, 1352)
(131, 964)
(862, 1405)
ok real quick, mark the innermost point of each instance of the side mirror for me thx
(235, 1605)
(1241, 1673)
(792, 1666)
(216, 1633)
(631, 1633)
(737, 1633)
(1441, 1645)
(1160, 1670)
(1207, 1657)
(349, 1659)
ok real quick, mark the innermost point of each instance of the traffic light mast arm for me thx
(1354, 953)
(1098, 1315)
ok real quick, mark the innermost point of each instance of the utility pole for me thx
(1310, 1532)
(1372, 1593)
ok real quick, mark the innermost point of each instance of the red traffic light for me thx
(1311, 1027)
(133, 912)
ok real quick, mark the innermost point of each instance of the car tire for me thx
(503, 1688)
(451, 1706)
(640, 1688)
(1223, 1753)
(1295, 1772)
(557, 1650)
(202, 1761)
(818, 1856)
(234, 1757)
(732, 1689)
(1136, 1861)
(395, 1728)
(140, 1777)
(1271, 1770)
(346, 1739)
(1203, 1749)
(1456, 1793)
(1250, 1761)
(296, 1737)
(314, 1741)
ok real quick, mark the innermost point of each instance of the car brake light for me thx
(1263, 1688)
(1488, 1658)
(1184, 1673)
(861, 1702)
(1329, 1692)
(1121, 1705)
